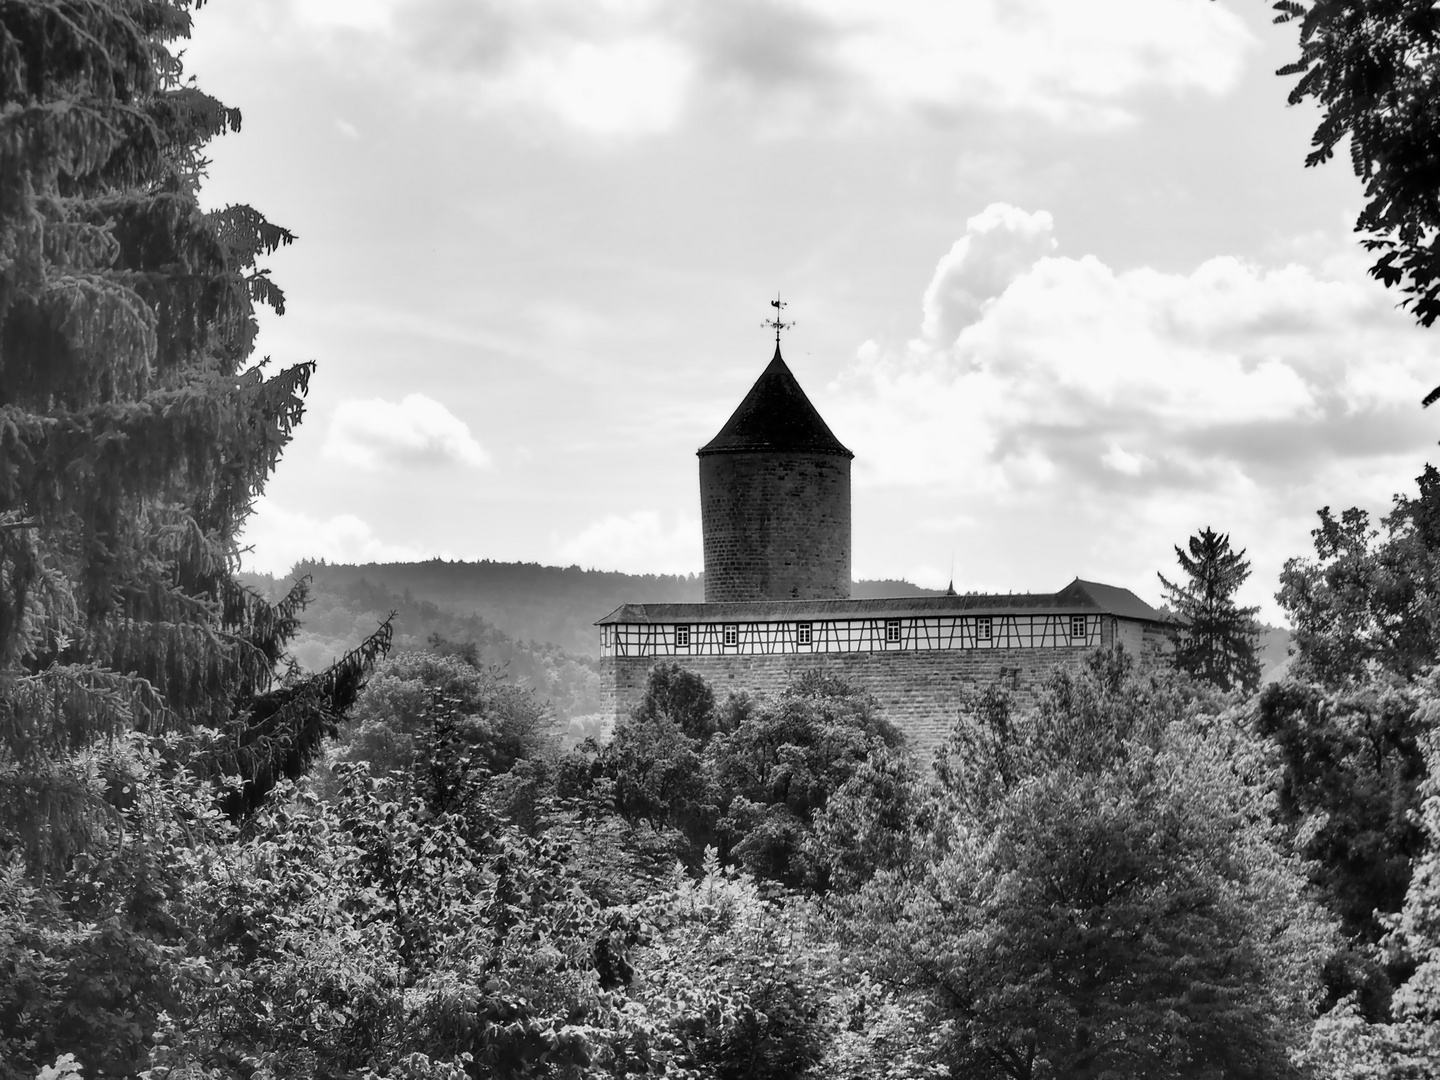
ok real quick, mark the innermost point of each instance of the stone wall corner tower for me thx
(775, 499)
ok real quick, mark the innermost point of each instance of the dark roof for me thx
(775, 415)
(1112, 600)
(1076, 598)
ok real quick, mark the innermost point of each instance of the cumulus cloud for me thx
(1057, 402)
(279, 538)
(637, 543)
(998, 246)
(415, 432)
(637, 67)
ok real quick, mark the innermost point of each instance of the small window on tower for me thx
(892, 630)
(682, 637)
(732, 635)
(1077, 627)
(984, 628)
(803, 634)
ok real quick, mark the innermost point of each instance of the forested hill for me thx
(341, 614)
(530, 602)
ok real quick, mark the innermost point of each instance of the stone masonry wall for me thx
(776, 526)
(920, 692)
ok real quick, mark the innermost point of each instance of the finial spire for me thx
(776, 322)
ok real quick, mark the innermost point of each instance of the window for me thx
(984, 627)
(732, 635)
(892, 630)
(604, 636)
(1077, 626)
(803, 635)
(682, 637)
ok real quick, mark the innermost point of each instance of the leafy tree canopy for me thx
(1351, 769)
(1371, 66)
(1347, 1045)
(1364, 608)
(1106, 897)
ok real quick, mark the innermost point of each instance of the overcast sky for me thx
(1060, 279)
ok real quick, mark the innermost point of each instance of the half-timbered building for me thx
(775, 511)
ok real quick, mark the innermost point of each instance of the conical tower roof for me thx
(775, 415)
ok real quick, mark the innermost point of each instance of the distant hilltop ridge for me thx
(533, 602)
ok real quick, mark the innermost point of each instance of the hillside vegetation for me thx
(530, 602)
(507, 608)
(337, 616)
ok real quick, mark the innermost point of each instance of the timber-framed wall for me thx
(923, 658)
(883, 634)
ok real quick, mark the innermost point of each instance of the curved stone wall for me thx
(776, 525)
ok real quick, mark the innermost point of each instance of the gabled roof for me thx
(775, 415)
(1078, 597)
(1110, 599)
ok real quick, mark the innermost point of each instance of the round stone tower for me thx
(775, 499)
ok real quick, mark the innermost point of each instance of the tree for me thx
(781, 762)
(1107, 897)
(1218, 643)
(1372, 67)
(136, 431)
(497, 723)
(1346, 1044)
(1363, 608)
(1351, 769)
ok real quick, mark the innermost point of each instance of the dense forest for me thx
(216, 862)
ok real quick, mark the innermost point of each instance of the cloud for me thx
(1000, 244)
(1057, 403)
(372, 15)
(636, 543)
(416, 432)
(629, 68)
(1075, 64)
(280, 538)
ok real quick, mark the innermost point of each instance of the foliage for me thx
(339, 612)
(779, 766)
(1346, 1044)
(497, 724)
(680, 698)
(1348, 726)
(1371, 67)
(141, 686)
(1220, 640)
(1364, 608)
(728, 973)
(95, 953)
(655, 771)
(1105, 897)
(748, 776)
(357, 934)
(876, 820)
(1351, 768)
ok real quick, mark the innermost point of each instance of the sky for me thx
(1058, 276)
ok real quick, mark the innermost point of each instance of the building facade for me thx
(775, 503)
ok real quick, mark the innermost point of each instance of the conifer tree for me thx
(136, 428)
(1220, 639)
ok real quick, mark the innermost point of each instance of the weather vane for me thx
(776, 323)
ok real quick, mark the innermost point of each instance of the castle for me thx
(775, 512)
